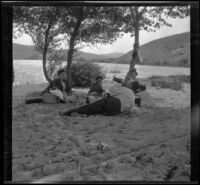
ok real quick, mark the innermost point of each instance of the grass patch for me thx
(174, 82)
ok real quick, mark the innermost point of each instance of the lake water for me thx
(30, 71)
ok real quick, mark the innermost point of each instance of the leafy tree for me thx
(81, 26)
(88, 26)
(149, 19)
(42, 24)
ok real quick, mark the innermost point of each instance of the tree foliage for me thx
(35, 22)
(87, 25)
(42, 24)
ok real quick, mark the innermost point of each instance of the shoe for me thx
(60, 113)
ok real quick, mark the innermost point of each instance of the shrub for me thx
(83, 73)
(174, 82)
(183, 62)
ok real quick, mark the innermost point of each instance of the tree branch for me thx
(142, 11)
(133, 15)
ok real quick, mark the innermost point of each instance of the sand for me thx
(153, 144)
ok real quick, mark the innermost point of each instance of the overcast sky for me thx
(125, 44)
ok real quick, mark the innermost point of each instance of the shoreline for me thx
(113, 63)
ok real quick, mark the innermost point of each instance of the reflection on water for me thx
(30, 71)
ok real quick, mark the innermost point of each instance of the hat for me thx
(60, 71)
(134, 85)
(98, 77)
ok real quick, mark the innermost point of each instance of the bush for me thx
(183, 62)
(171, 82)
(83, 73)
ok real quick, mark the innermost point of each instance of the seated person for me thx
(58, 86)
(56, 92)
(118, 100)
(96, 90)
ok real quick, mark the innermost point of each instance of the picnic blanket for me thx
(38, 97)
(33, 97)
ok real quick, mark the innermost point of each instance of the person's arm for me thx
(106, 93)
(51, 84)
(89, 92)
(67, 87)
(91, 89)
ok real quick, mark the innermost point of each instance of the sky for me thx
(125, 44)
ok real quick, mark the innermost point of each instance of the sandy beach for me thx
(153, 144)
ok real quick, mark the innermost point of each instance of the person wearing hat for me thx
(56, 92)
(58, 87)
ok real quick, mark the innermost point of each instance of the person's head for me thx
(53, 86)
(99, 79)
(142, 87)
(133, 85)
(61, 74)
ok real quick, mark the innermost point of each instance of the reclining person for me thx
(132, 78)
(118, 100)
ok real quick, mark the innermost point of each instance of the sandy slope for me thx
(152, 144)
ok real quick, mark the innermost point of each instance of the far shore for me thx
(146, 64)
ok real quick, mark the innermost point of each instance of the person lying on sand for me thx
(117, 100)
(132, 78)
(96, 90)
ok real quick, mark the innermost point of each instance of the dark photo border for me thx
(7, 72)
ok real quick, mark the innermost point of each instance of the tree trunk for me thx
(45, 53)
(44, 66)
(71, 51)
(135, 58)
(69, 62)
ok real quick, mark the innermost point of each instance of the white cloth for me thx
(58, 93)
(146, 99)
(126, 97)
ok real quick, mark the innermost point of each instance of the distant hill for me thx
(25, 52)
(172, 50)
(113, 55)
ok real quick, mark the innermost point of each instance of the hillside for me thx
(172, 50)
(113, 55)
(25, 52)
